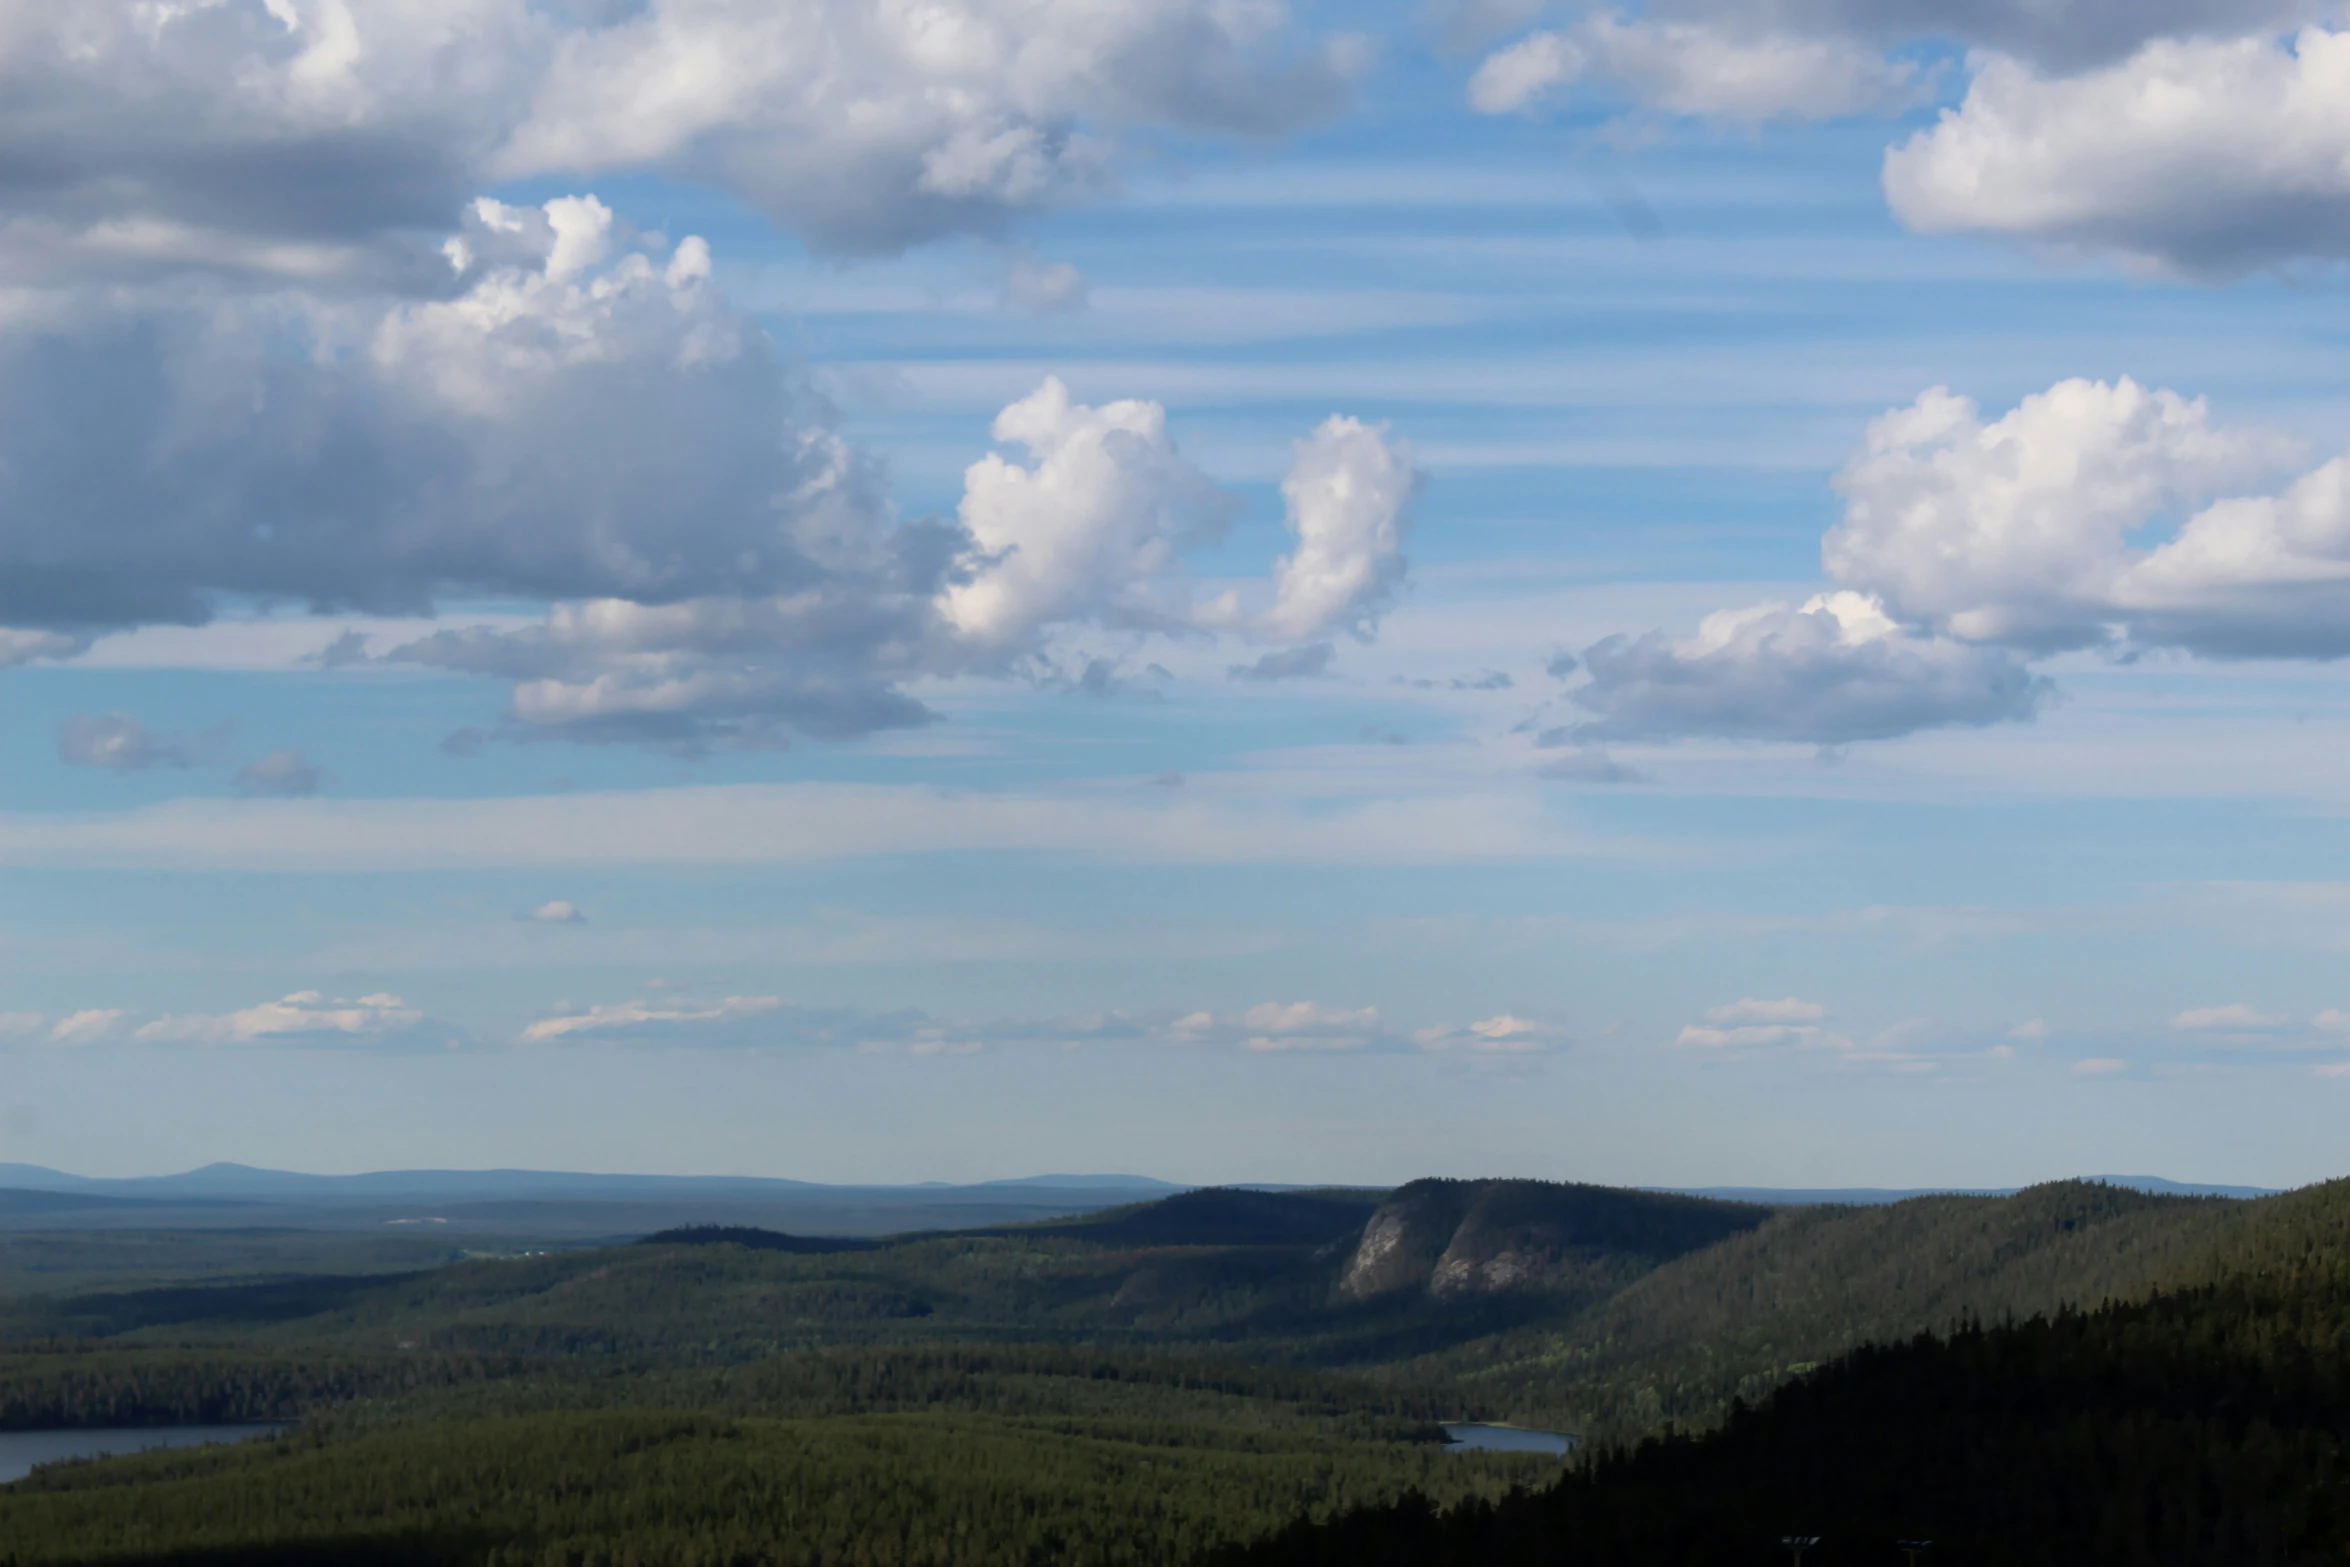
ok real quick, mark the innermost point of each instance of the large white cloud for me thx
(2016, 530)
(2209, 156)
(2092, 514)
(562, 427)
(589, 423)
(310, 140)
(874, 125)
(260, 345)
(1090, 531)
(2202, 137)
(333, 139)
(2032, 530)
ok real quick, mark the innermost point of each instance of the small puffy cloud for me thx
(1787, 1009)
(657, 1021)
(1520, 75)
(2203, 155)
(1042, 287)
(768, 1022)
(2236, 1017)
(1290, 663)
(1755, 1036)
(1832, 671)
(305, 1018)
(117, 742)
(281, 773)
(1757, 1023)
(1347, 501)
(2333, 1020)
(558, 911)
(1702, 68)
(2032, 1029)
(1277, 1026)
(1501, 1034)
(2100, 1066)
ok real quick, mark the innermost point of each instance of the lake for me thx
(20, 1451)
(1507, 1439)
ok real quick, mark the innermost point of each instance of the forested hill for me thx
(2203, 1427)
(1574, 1307)
(1146, 1385)
(1738, 1318)
(1467, 1238)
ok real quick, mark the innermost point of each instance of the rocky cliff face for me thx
(1404, 1239)
(1462, 1239)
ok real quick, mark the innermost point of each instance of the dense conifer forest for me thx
(1250, 1379)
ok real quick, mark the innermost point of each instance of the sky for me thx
(1723, 593)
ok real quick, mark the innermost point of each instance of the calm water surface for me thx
(21, 1450)
(1507, 1439)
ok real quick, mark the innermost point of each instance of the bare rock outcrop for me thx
(1458, 1240)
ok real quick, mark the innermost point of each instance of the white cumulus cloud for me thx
(1833, 670)
(2091, 514)
(2205, 155)
(2234, 1017)
(1503, 1034)
(1091, 528)
(320, 141)
(2032, 529)
(1348, 502)
(1717, 70)
(1284, 1026)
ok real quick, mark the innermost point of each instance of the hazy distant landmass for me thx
(1804, 1196)
(552, 1204)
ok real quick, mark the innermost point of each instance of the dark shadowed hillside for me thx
(1228, 1216)
(2206, 1427)
(1739, 1318)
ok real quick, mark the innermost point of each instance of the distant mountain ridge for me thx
(1870, 1196)
(246, 1183)
(250, 1183)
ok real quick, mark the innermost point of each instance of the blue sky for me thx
(717, 771)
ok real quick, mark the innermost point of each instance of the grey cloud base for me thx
(1792, 676)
